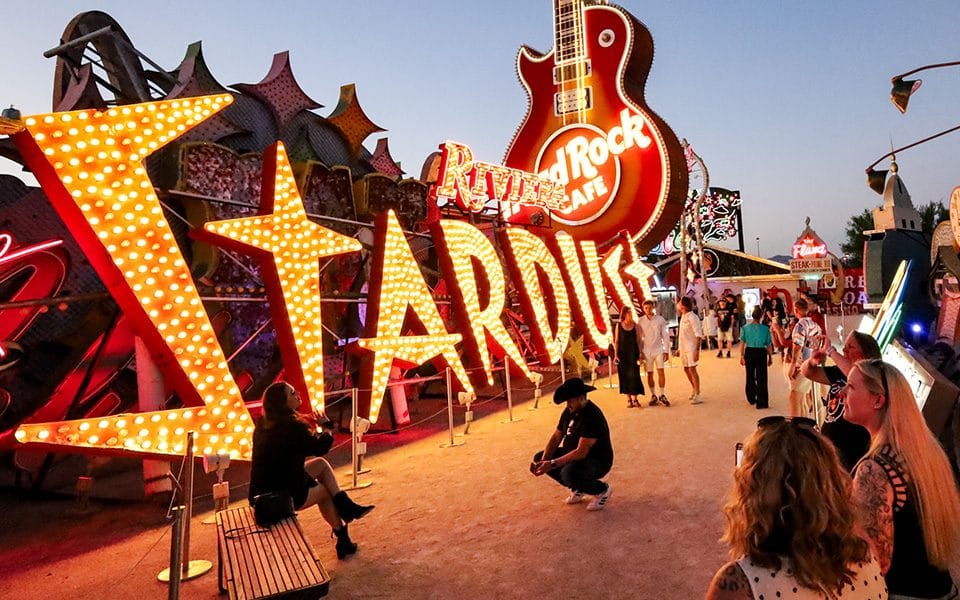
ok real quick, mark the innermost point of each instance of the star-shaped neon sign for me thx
(289, 246)
(90, 164)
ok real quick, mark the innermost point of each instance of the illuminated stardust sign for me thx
(90, 164)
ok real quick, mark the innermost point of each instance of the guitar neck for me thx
(568, 31)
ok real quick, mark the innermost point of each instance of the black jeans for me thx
(580, 475)
(756, 388)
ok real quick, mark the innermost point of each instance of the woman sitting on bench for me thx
(282, 443)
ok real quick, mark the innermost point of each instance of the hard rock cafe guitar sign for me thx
(589, 128)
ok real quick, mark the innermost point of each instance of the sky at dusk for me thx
(787, 102)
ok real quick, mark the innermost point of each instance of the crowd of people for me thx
(864, 505)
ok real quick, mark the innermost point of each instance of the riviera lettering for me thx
(472, 183)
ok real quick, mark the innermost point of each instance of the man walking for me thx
(688, 349)
(654, 351)
(726, 310)
(578, 452)
(806, 337)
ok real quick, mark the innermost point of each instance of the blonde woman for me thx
(904, 485)
(791, 524)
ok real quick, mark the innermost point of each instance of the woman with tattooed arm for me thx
(791, 524)
(904, 485)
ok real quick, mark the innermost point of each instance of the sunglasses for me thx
(878, 363)
(799, 422)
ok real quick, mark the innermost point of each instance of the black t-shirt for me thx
(278, 455)
(911, 573)
(851, 440)
(725, 311)
(589, 423)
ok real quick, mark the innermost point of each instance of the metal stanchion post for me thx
(176, 552)
(506, 376)
(354, 443)
(537, 381)
(449, 380)
(189, 569)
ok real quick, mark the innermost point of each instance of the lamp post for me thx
(877, 179)
(758, 247)
(903, 88)
(900, 96)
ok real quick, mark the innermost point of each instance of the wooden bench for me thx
(257, 562)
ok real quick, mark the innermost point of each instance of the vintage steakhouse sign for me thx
(809, 254)
(90, 165)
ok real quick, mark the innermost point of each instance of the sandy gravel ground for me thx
(462, 522)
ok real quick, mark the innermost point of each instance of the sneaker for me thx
(654, 400)
(575, 497)
(600, 501)
(664, 401)
(720, 354)
(728, 354)
(696, 399)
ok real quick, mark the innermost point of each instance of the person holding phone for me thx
(791, 522)
(287, 453)
(851, 440)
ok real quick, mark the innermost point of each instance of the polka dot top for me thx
(767, 584)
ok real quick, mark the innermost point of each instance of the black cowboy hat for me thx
(572, 388)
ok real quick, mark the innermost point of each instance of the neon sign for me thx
(809, 248)
(290, 247)
(588, 128)
(6, 255)
(585, 161)
(90, 166)
(472, 183)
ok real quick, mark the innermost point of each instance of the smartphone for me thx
(738, 457)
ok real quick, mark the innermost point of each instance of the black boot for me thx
(348, 509)
(345, 546)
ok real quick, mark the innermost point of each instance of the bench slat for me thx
(290, 551)
(261, 563)
(248, 587)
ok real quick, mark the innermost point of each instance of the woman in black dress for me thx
(627, 356)
(282, 443)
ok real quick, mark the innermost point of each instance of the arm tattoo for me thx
(874, 494)
(730, 583)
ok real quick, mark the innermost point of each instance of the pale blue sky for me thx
(786, 101)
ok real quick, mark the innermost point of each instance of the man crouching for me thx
(579, 452)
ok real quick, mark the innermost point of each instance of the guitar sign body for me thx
(588, 127)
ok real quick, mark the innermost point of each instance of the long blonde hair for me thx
(791, 497)
(928, 468)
